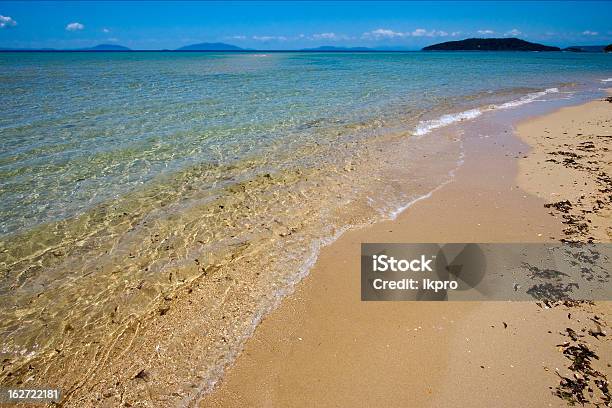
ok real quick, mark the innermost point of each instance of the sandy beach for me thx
(324, 347)
(570, 167)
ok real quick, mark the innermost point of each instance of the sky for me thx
(301, 24)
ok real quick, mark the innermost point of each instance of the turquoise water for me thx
(78, 129)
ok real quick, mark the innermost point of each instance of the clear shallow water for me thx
(78, 129)
(128, 179)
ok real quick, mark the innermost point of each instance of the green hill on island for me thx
(490, 44)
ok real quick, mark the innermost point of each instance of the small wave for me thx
(607, 80)
(525, 99)
(425, 127)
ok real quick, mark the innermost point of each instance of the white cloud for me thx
(328, 36)
(238, 37)
(105, 30)
(513, 33)
(421, 32)
(269, 38)
(7, 22)
(75, 27)
(589, 32)
(384, 33)
(485, 32)
(455, 33)
(325, 36)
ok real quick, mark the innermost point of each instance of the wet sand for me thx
(324, 347)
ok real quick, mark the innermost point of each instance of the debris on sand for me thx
(562, 206)
(587, 154)
(597, 333)
(572, 334)
(552, 291)
(580, 387)
(141, 375)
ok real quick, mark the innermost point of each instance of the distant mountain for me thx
(332, 48)
(106, 47)
(585, 48)
(394, 48)
(100, 47)
(210, 47)
(490, 44)
(27, 49)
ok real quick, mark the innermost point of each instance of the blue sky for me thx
(290, 25)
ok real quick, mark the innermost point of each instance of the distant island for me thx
(470, 44)
(27, 49)
(106, 47)
(210, 47)
(585, 48)
(99, 47)
(336, 49)
(490, 44)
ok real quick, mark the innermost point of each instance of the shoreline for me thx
(289, 347)
(172, 359)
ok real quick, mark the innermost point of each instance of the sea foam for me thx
(427, 126)
(424, 127)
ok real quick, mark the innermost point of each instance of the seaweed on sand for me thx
(579, 388)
